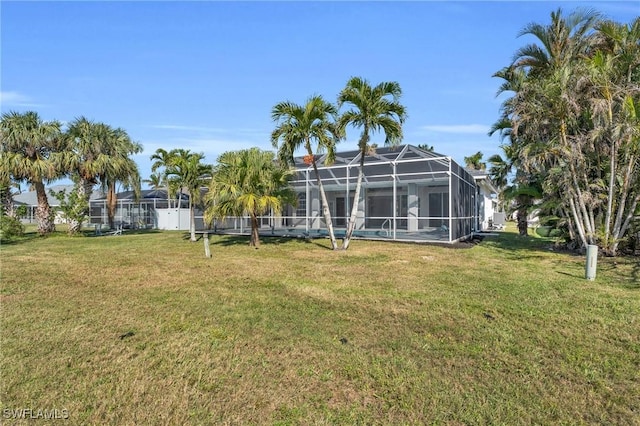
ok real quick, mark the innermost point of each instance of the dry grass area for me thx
(142, 329)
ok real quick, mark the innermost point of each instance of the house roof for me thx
(146, 194)
(30, 198)
(482, 177)
(381, 154)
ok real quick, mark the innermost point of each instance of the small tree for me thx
(248, 182)
(74, 207)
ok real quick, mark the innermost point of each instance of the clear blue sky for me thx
(205, 75)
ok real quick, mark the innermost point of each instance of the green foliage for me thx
(74, 207)
(570, 123)
(34, 151)
(10, 227)
(22, 211)
(248, 182)
(474, 162)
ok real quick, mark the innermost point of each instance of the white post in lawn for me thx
(592, 262)
(207, 249)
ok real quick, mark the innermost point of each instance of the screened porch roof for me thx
(406, 162)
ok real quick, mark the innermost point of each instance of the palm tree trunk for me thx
(44, 215)
(578, 222)
(612, 182)
(8, 205)
(625, 226)
(582, 207)
(192, 216)
(254, 241)
(523, 226)
(618, 228)
(112, 203)
(570, 226)
(325, 206)
(351, 226)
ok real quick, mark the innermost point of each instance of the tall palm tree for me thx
(373, 109)
(161, 158)
(561, 43)
(546, 109)
(122, 168)
(33, 150)
(186, 170)
(88, 142)
(612, 86)
(312, 126)
(249, 182)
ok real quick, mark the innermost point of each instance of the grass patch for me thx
(141, 328)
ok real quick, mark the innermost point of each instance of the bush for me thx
(10, 227)
(556, 233)
(543, 231)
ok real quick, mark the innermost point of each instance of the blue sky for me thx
(205, 75)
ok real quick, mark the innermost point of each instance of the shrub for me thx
(10, 227)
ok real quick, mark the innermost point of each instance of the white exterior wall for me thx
(486, 209)
(173, 219)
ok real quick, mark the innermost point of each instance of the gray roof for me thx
(30, 198)
(408, 162)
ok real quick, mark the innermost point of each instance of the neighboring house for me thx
(407, 194)
(149, 210)
(30, 200)
(486, 201)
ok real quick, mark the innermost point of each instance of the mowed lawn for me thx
(143, 329)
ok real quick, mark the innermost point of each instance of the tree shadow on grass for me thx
(515, 246)
(243, 240)
(92, 233)
(617, 267)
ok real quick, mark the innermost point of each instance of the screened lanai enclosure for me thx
(407, 194)
(145, 211)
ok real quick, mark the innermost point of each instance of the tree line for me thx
(570, 127)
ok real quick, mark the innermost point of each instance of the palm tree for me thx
(88, 142)
(562, 42)
(122, 169)
(374, 109)
(549, 103)
(33, 150)
(474, 162)
(311, 126)
(611, 84)
(186, 170)
(249, 182)
(161, 158)
(155, 181)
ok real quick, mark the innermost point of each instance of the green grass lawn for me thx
(143, 329)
